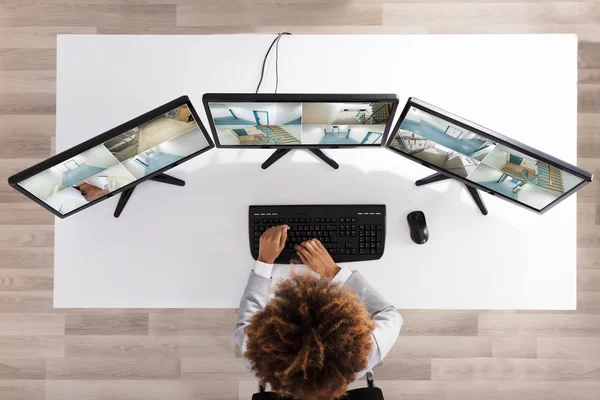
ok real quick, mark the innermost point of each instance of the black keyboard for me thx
(348, 232)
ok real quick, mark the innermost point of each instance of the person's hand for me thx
(272, 242)
(317, 258)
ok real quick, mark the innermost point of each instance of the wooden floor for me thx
(177, 354)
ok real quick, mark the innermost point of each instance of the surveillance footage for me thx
(268, 124)
(471, 156)
(118, 162)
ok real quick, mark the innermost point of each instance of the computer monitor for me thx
(308, 121)
(483, 159)
(117, 160)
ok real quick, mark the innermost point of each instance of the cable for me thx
(262, 72)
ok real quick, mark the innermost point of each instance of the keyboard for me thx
(348, 232)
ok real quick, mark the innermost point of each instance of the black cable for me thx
(262, 72)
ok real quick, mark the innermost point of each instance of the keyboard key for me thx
(372, 251)
(353, 251)
(334, 220)
(256, 221)
(353, 219)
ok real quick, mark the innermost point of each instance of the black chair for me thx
(368, 393)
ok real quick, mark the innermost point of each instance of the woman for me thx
(317, 333)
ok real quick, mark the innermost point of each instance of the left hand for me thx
(272, 243)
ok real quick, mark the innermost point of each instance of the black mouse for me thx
(418, 227)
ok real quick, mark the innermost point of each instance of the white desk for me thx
(188, 247)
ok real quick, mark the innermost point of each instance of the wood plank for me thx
(514, 347)
(568, 347)
(485, 390)
(403, 368)
(442, 346)
(591, 75)
(211, 321)
(27, 103)
(499, 13)
(530, 324)
(32, 324)
(22, 368)
(25, 213)
(70, 14)
(107, 324)
(26, 279)
(22, 390)
(13, 125)
(582, 30)
(141, 389)
(588, 302)
(25, 146)
(588, 99)
(515, 369)
(28, 257)
(35, 37)
(439, 323)
(26, 302)
(347, 29)
(588, 280)
(31, 346)
(214, 369)
(279, 14)
(18, 81)
(212, 345)
(26, 236)
(121, 346)
(588, 55)
(588, 257)
(105, 368)
(27, 59)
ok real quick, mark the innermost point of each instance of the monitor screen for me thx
(301, 123)
(455, 148)
(118, 161)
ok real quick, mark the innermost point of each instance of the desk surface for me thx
(188, 247)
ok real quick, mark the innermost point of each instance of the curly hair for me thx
(311, 339)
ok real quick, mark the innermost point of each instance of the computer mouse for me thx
(418, 227)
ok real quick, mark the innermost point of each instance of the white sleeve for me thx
(342, 276)
(263, 269)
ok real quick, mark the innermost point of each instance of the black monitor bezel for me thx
(495, 136)
(103, 137)
(298, 98)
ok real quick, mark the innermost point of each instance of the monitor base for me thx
(282, 152)
(472, 191)
(126, 194)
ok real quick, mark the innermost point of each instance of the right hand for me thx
(317, 258)
(272, 242)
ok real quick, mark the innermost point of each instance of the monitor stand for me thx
(126, 194)
(282, 152)
(472, 191)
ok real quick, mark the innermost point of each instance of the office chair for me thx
(368, 393)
